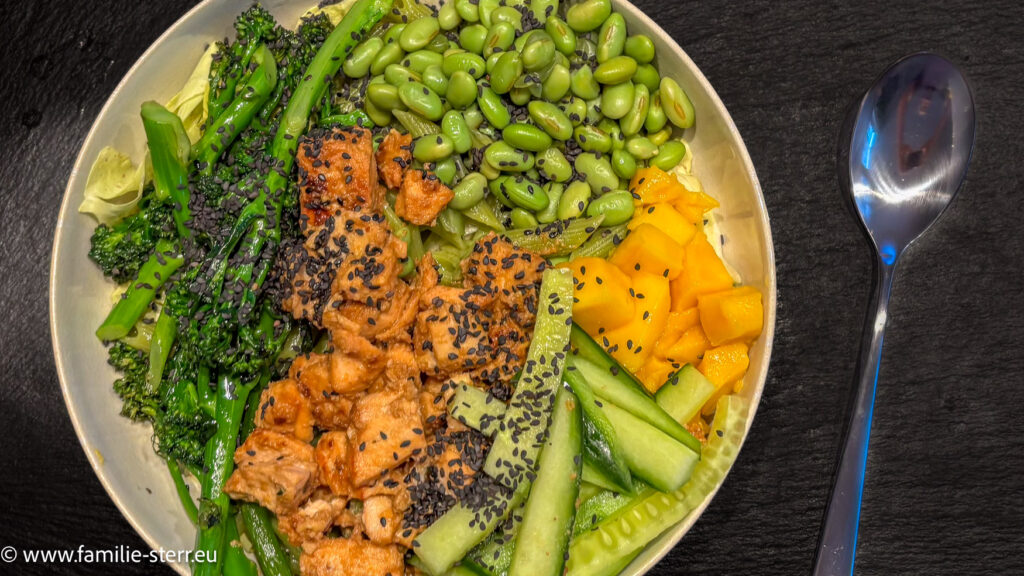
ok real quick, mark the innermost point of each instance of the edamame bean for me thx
(634, 120)
(550, 119)
(615, 70)
(454, 126)
(419, 60)
(448, 16)
(506, 71)
(492, 60)
(656, 118)
(497, 188)
(525, 193)
(433, 77)
(552, 165)
(583, 84)
(539, 52)
(522, 39)
(556, 85)
(588, 15)
(594, 114)
(419, 33)
(396, 75)
(378, 116)
(617, 100)
(669, 155)
(526, 137)
(439, 44)
(575, 110)
(489, 172)
(614, 132)
(465, 61)
(560, 33)
(467, 10)
(393, 33)
(386, 56)
(499, 37)
(507, 159)
(462, 90)
(550, 212)
(432, 148)
(623, 164)
(508, 14)
(421, 100)
(469, 191)
(617, 207)
(473, 117)
(641, 147)
(445, 170)
(611, 40)
(472, 38)
(640, 48)
(661, 136)
(522, 219)
(357, 65)
(487, 8)
(648, 76)
(520, 96)
(586, 50)
(544, 10)
(384, 96)
(597, 171)
(493, 108)
(676, 103)
(574, 200)
(592, 138)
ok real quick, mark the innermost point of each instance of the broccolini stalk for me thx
(236, 563)
(169, 149)
(271, 554)
(164, 261)
(160, 349)
(183, 494)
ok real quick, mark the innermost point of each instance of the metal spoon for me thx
(910, 144)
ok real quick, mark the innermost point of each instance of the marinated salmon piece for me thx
(385, 431)
(312, 373)
(274, 470)
(352, 557)
(308, 525)
(379, 519)
(332, 462)
(394, 155)
(450, 335)
(375, 257)
(511, 274)
(422, 197)
(337, 168)
(283, 408)
(434, 397)
(387, 320)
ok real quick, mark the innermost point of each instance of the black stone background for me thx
(944, 488)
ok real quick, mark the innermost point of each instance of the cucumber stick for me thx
(595, 509)
(605, 548)
(476, 408)
(652, 455)
(593, 475)
(685, 392)
(607, 386)
(601, 449)
(543, 537)
(495, 554)
(522, 431)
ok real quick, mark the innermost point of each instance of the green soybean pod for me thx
(597, 171)
(669, 155)
(588, 15)
(448, 16)
(462, 89)
(469, 191)
(384, 96)
(661, 136)
(454, 126)
(472, 38)
(623, 164)
(616, 206)
(617, 100)
(592, 139)
(556, 85)
(574, 200)
(465, 61)
(611, 40)
(419, 33)
(378, 116)
(507, 69)
(656, 118)
(445, 170)
(560, 33)
(520, 96)
(507, 159)
(487, 8)
(544, 10)
(493, 108)
(641, 147)
(500, 36)
(421, 100)
(647, 75)
(526, 137)
(522, 219)
(508, 14)
(396, 75)
(498, 190)
(634, 120)
(575, 110)
(539, 52)
(552, 165)
(676, 103)
(526, 194)
(388, 55)
(468, 10)
(583, 83)
(433, 77)
(615, 70)
(393, 33)
(432, 148)
(550, 119)
(554, 191)
(357, 65)
(420, 60)
(640, 48)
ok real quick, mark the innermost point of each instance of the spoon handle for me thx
(838, 543)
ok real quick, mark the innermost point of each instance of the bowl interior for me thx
(120, 451)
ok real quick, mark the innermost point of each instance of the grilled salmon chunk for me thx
(337, 168)
(274, 470)
(352, 557)
(394, 155)
(422, 197)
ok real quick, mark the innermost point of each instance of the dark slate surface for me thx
(944, 488)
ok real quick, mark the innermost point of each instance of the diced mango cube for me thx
(652, 185)
(655, 373)
(735, 314)
(703, 273)
(723, 366)
(633, 343)
(647, 250)
(687, 349)
(667, 219)
(679, 321)
(601, 295)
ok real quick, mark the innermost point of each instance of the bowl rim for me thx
(650, 556)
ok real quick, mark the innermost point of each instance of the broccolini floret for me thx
(121, 249)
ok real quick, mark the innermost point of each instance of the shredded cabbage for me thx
(333, 11)
(191, 103)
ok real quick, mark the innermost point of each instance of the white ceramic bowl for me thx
(120, 451)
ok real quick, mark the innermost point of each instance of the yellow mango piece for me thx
(696, 198)
(667, 219)
(687, 349)
(601, 298)
(694, 214)
(735, 314)
(723, 366)
(655, 373)
(652, 185)
(678, 322)
(703, 273)
(633, 343)
(647, 250)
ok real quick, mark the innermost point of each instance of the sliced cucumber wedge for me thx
(476, 408)
(652, 455)
(685, 392)
(601, 449)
